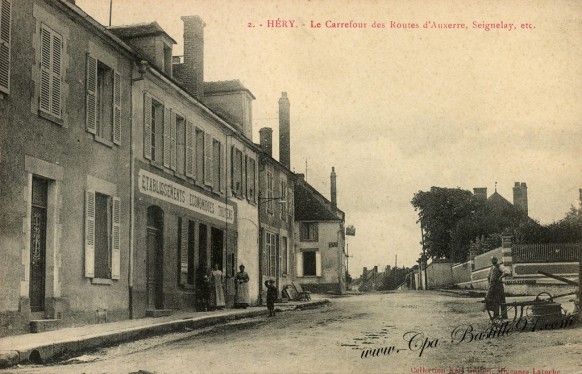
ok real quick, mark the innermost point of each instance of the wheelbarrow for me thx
(542, 309)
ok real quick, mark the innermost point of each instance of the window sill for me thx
(103, 141)
(101, 281)
(310, 276)
(156, 165)
(50, 117)
(309, 240)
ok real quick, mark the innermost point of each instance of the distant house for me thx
(320, 248)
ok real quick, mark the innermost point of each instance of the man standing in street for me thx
(496, 293)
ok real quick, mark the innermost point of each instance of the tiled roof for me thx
(225, 86)
(497, 199)
(139, 30)
(310, 205)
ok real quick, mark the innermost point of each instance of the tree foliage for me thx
(451, 218)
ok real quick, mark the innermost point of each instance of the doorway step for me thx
(158, 312)
(42, 325)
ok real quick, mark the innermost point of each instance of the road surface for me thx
(398, 332)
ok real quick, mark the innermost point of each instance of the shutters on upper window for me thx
(116, 108)
(208, 159)
(147, 126)
(190, 159)
(91, 95)
(50, 72)
(5, 28)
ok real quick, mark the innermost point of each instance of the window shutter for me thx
(57, 47)
(45, 70)
(299, 258)
(245, 173)
(249, 169)
(183, 240)
(91, 95)
(5, 46)
(167, 137)
(208, 159)
(318, 263)
(90, 234)
(189, 149)
(173, 142)
(116, 108)
(223, 165)
(233, 170)
(115, 238)
(147, 126)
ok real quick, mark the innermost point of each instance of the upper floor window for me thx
(283, 200)
(270, 191)
(237, 172)
(103, 101)
(153, 129)
(309, 231)
(51, 51)
(251, 183)
(180, 144)
(5, 27)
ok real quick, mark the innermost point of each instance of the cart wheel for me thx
(548, 299)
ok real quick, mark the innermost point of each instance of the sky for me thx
(399, 109)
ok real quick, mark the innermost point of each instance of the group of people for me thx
(213, 291)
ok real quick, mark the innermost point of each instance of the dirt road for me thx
(411, 332)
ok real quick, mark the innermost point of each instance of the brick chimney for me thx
(520, 196)
(266, 139)
(194, 55)
(480, 192)
(284, 131)
(333, 188)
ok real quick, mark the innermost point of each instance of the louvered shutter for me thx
(183, 238)
(91, 95)
(299, 261)
(189, 149)
(117, 108)
(5, 46)
(167, 137)
(232, 170)
(115, 238)
(90, 234)
(223, 166)
(147, 126)
(173, 142)
(208, 165)
(318, 264)
(249, 178)
(245, 173)
(45, 70)
(57, 49)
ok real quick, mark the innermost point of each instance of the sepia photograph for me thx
(300, 186)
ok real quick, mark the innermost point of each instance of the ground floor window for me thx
(308, 263)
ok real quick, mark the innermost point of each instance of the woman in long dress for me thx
(242, 298)
(217, 288)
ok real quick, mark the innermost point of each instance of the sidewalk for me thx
(40, 347)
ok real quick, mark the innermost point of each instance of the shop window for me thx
(309, 264)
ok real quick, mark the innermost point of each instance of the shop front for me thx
(181, 232)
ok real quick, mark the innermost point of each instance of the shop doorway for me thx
(38, 226)
(155, 257)
(217, 247)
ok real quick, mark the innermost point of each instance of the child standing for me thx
(271, 296)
